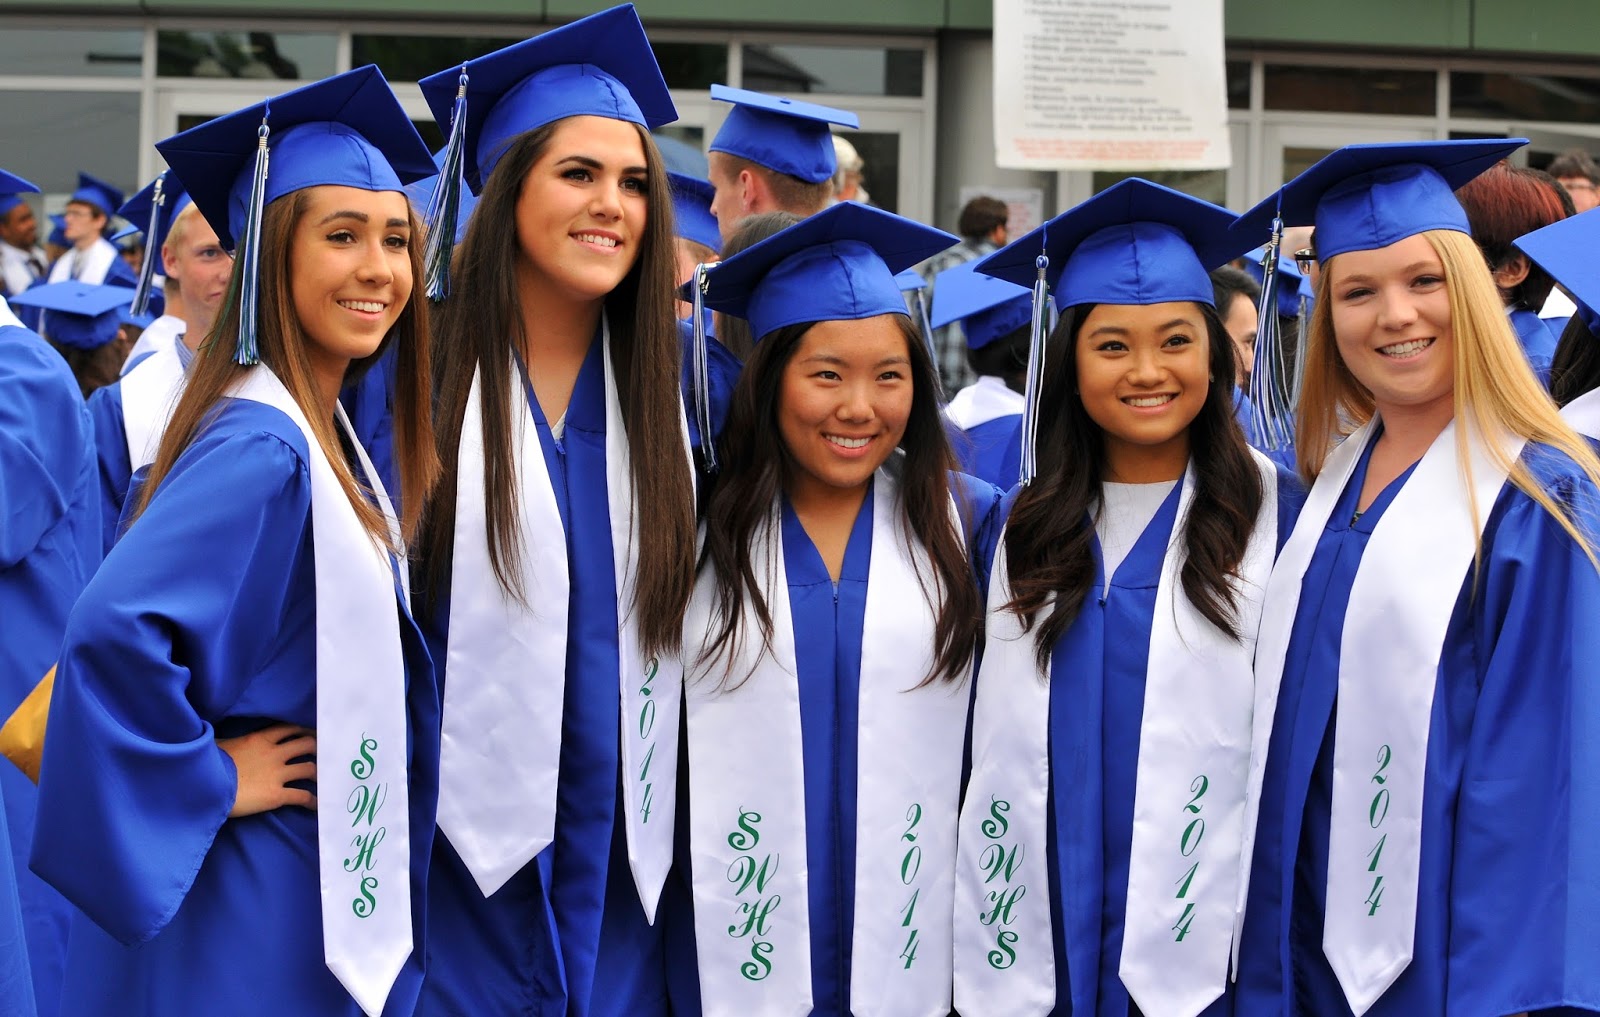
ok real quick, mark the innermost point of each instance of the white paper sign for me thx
(1110, 85)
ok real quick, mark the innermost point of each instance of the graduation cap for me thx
(910, 281)
(77, 314)
(1363, 197)
(987, 307)
(151, 212)
(12, 188)
(98, 193)
(837, 265)
(422, 196)
(1566, 249)
(347, 130)
(599, 66)
(786, 135)
(1293, 286)
(691, 210)
(58, 231)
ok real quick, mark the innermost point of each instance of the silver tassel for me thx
(1036, 343)
(152, 250)
(246, 351)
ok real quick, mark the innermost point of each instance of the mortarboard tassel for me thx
(446, 204)
(701, 371)
(152, 250)
(1036, 342)
(1271, 394)
(249, 253)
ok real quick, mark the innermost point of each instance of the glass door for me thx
(1289, 149)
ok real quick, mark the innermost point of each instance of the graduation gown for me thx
(49, 547)
(111, 449)
(202, 625)
(828, 624)
(1097, 682)
(1509, 872)
(566, 934)
(1538, 341)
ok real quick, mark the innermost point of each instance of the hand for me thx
(262, 761)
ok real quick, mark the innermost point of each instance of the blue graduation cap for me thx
(151, 212)
(347, 130)
(910, 281)
(58, 231)
(1566, 249)
(786, 135)
(837, 265)
(601, 66)
(422, 196)
(77, 314)
(1293, 285)
(691, 210)
(96, 192)
(1133, 243)
(12, 188)
(987, 307)
(1363, 197)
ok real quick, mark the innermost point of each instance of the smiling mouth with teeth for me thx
(843, 442)
(370, 306)
(597, 240)
(1405, 349)
(1147, 402)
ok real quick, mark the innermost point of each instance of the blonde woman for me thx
(1424, 810)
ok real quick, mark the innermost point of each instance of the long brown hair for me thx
(754, 459)
(283, 346)
(477, 330)
(1049, 534)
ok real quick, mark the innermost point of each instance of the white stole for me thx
(747, 824)
(505, 669)
(1188, 801)
(85, 266)
(1583, 414)
(363, 825)
(1404, 593)
(988, 398)
(164, 331)
(149, 394)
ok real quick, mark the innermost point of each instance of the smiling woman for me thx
(252, 618)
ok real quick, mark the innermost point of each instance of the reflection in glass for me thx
(692, 65)
(880, 166)
(838, 70)
(283, 56)
(45, 51)
(53, 135)
(1238, 84)
(1207, 185)
(414, 57)
(1351, 90)
(1524, 97)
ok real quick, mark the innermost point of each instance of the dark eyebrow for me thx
(1167, 327)
(829, 358)
(589, 162)
(344, 214)
(398, 224)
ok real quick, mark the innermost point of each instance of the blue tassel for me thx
(1272, 394)
(249, 253)
(445, 207)
(152, 250)
(700, 370)
(1034, 392)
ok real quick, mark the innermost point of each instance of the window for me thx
(287, 56)
(838, 70)
(39, 52)
(1351, 90)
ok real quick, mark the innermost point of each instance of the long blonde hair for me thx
(1495, 388)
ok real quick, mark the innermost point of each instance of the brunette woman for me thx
(254, 615)
(1100, 838)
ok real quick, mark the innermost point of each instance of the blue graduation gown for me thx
(49, 547)
(111, 449)
(201, 625)
(567, 934)
(16, 981)
(1509, 874)
(1097, 682)
(992, 451)
(828, 623)
(1538, 342)
(368, 402)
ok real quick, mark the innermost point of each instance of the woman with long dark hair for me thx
(1100, 842)
(1424, 800)
(830, 639)
(558, 555)
(253, 619)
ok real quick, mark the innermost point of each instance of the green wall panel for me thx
(891, 14)
(969, 14)
(1429, 24)
(503, 10)
(1537, 26)
(118, 7)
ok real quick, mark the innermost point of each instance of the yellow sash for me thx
(22, 735)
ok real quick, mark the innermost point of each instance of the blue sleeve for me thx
(369, 403)
(44, 437)
(1291, 499)
(979, 503)
(111, 449)
(181, 615)
(1524, 922)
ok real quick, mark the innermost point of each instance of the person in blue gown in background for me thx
(254, 610)
(1565, 250)
(831, 695)
(1099, 841)
(553, 610)
(48, 551)
(995, 316)
(1425, 841)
